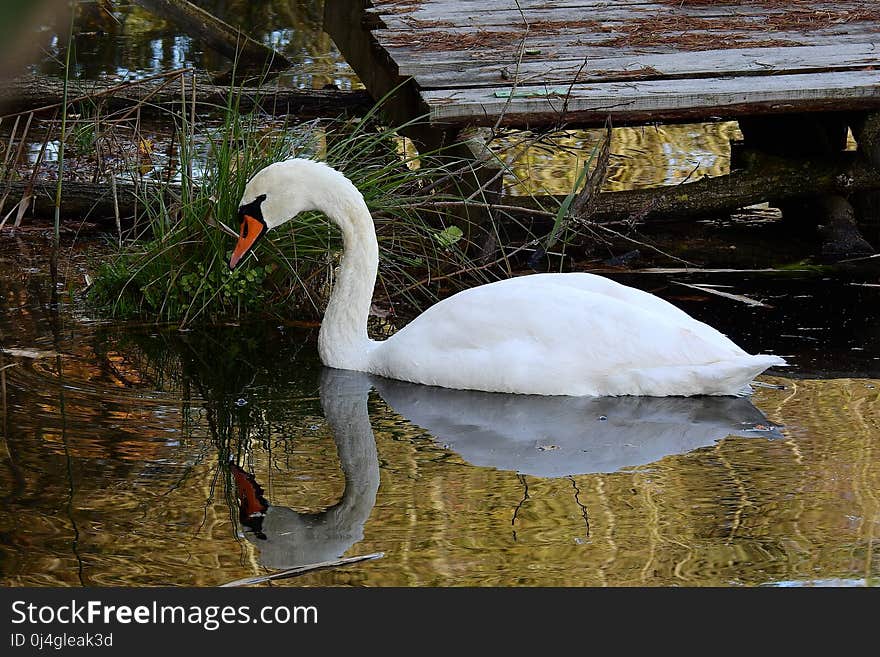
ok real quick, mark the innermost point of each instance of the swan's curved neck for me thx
(342, 341)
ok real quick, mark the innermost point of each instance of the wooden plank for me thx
(493, 5)
(440, 14)
(430, 15)
(412, 60)
(475, 7)
(444, 39)
(658, 100)
(508, 13)
(408, 6)
(709, 63)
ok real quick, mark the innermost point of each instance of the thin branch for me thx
(302, 570)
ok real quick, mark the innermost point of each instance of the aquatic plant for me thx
(173, 266)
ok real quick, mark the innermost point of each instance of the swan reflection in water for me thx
(527, 434)
(287, 538)
(563, 436)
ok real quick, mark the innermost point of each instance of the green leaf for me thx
(449, 236)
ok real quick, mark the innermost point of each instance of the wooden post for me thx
(866, 131)
(813, 135)
(344, 22)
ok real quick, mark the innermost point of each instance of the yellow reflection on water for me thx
(642, 157)
(742, 511)
(115, 470)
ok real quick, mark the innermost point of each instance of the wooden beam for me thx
(652, 101)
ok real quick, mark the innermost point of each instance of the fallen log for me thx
(762, 177)
(767, 176)
(41, 93)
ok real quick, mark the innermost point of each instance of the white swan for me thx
(543, 334)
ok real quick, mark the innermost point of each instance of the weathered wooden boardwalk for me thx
(796, 74)
(531, 63)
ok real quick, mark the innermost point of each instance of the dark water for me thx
(135, 455)
(131, 43)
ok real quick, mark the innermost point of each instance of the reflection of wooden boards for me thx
(542, 62)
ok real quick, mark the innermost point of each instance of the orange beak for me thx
(251, 229)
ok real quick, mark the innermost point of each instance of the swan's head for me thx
(279, 192)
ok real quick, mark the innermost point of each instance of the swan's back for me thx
(566, 334)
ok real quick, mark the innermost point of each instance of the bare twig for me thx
(585, 202)
(727, 295)
(302, 570)
(656, 249)
(116, 208)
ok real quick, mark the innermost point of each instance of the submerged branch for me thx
(302, 570)
(222, 37)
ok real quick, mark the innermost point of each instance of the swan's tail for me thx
(727, 378)
(751, 367)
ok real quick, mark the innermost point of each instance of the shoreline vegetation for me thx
(173, 200)
(160, 163)
(168, 203)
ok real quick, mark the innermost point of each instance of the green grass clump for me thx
(174, 267)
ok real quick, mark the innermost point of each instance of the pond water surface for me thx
(136, 455)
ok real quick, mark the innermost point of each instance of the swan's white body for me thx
(544, 334)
